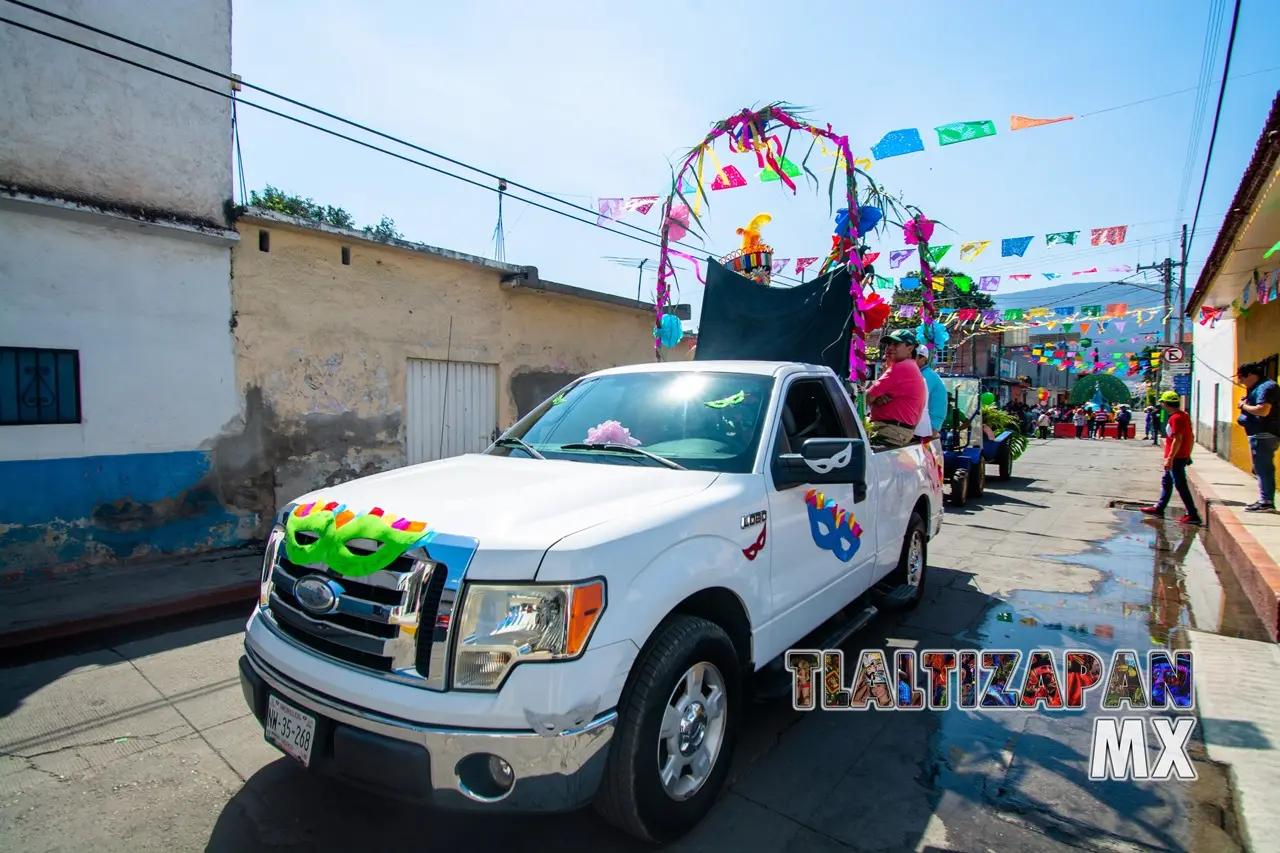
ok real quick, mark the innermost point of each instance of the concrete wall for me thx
(322, 349)
(148, 312)
(84, 126)
(1213, 367)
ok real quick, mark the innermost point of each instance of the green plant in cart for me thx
(999, 420)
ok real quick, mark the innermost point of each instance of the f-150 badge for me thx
(754, 519)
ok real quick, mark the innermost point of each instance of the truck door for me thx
(824, 543)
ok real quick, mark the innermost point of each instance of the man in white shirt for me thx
(924, 429)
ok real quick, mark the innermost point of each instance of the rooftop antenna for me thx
(499, 238)
(638, 263)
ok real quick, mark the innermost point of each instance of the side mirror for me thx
(840, 461)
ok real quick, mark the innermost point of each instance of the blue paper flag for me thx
(1051, 275)
(1014, 246)
(911, 282)
(898, 142)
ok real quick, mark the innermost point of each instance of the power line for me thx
(1217, 114)
(1213, 29)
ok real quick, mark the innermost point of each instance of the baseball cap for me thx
(901, 336)
(1170, 397)
(922, 351)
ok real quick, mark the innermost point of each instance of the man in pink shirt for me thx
(898, 397)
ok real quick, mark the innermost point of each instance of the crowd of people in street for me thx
(1090, 420)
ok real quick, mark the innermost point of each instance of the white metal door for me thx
(452, 408)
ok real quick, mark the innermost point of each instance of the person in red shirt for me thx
(898, 397)
(1178, 440)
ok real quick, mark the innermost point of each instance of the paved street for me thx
(145, 743)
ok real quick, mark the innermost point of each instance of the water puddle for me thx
(1156, 581)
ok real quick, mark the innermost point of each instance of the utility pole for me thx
(1182, 288)
(1166, 272)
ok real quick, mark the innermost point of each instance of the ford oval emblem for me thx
(317, 594)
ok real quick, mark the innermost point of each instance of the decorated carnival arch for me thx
(768, 133)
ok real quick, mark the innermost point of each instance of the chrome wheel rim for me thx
(692, 731)
(915, 559)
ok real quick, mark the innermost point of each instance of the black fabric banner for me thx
(744, 320)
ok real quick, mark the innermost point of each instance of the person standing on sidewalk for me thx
(1178, 442)
(1260, 417)
(1044, 422)
(1080, 419)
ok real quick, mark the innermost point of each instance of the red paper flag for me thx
(804, 263)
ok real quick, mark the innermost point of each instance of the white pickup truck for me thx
(577, 614)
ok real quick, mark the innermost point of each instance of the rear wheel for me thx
(904, 587)
(959, 488)
(979, 483)
(1006, 462)
(677, 723)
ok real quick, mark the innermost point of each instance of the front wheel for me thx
(677, 722)
(979, 483)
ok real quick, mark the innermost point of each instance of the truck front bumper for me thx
(447, 767)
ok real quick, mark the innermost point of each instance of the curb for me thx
(192, 603)
(1257, 572)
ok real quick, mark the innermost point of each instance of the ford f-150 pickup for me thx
(575, 615)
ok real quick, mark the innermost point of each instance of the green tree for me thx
(1113, 390)
(952, 295)
(384, 231)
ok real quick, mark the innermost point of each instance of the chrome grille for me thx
(387, 622)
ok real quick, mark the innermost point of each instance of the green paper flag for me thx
(1061, 238)
(884, 282)
(963, 131)
(962, 283)
(936, 252)
(790, 169)
(1066, 327)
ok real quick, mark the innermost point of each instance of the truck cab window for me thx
(808, 412)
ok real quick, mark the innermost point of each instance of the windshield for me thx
(966, 393)
(704, 421)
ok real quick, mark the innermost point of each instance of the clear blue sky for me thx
(584, 104)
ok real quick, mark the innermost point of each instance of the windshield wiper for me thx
(624, 448)
(515, 442)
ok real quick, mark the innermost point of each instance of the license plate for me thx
(290, 729)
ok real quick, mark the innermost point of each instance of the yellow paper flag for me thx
(973, 249)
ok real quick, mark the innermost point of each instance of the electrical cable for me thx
(1217, 115)
(1208, 53)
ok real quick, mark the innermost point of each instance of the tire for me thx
(911, 572)
(959, 488)
(1006, 463)
(632, 794)
(979, 483)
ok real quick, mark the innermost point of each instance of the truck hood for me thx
(515, 508)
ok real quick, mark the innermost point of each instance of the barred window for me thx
(39, 386)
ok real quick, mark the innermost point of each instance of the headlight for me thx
(505, 625)
(268, 564)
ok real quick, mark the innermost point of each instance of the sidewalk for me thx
(1249, 541)
(38, 606)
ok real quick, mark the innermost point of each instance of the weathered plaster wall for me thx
(148, 313)
(322, 350)
(86, 126)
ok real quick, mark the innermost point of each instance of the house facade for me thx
(355, 356)
(116, 366)
(1235, 305)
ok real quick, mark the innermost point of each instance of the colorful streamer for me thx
(964, 131)
(895, 143)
